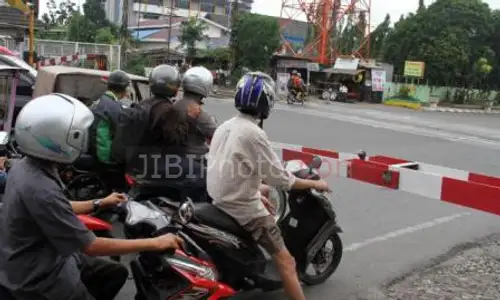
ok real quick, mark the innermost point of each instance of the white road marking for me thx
(398, 127)
(404, 231)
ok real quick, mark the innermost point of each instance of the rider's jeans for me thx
(101, 279)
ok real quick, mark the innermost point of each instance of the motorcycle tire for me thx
(109, 235)
(280, 202)
(332, 266)
(85, 186)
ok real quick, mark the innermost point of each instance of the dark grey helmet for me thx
(164, 81)
(118, 80)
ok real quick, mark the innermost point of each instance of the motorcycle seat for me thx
(209, 214)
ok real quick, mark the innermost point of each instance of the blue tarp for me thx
(294, 39)
(143, 33)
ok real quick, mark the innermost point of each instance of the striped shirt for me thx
(240, 158)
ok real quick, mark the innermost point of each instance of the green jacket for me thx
(106, 111)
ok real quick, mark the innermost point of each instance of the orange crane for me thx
(324, 17)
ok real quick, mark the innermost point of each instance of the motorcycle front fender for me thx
(95, 224)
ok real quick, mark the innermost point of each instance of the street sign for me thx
(313, 67)
(414, 69)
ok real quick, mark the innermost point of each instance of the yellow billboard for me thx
(19, 4)
(414, 69)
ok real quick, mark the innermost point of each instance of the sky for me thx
(379, 9)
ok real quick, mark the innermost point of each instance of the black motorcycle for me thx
(88, 179)
(309, 228)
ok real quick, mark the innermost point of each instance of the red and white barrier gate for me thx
(477, 191)
(66, 59)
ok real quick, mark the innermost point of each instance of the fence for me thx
(54, 48)
(51, 48)
(424, 93)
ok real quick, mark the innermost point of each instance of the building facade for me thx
(160, 9)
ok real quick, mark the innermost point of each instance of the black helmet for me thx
(164, 81)
(118, 80)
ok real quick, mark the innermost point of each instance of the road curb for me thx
(459, 110)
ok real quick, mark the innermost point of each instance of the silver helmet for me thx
(198, 80)
(54, 127)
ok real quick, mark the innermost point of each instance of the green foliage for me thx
(192, 32)
(404, 91)
(134, 64)
(450, 36)
(105, 35)
(65, 22)
(218, 55)
(255, 39)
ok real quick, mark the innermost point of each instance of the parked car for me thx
(26, 82)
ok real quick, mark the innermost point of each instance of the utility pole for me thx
(124, 33)
(170, 29)
(31, 29)
(233, 20)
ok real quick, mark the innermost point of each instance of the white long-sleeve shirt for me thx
(239, 159)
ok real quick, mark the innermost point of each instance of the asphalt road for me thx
(387, 233)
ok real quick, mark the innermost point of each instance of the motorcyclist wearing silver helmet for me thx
(197, 83)
(45, 251)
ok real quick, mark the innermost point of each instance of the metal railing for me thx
(54, 48)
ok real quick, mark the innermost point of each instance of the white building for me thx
(148, 20)
(154, 34)
(160, 9)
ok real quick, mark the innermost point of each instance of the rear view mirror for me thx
(316, 162)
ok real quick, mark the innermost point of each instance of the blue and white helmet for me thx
(255, 94)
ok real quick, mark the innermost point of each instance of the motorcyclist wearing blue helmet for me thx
(239, 159)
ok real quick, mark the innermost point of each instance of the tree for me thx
(421, 4)
(56, 19)
(192, 32)
(378, 38)
(93, 10)
(449, 36)
(105, 35)
(256, 38)
(81, 29)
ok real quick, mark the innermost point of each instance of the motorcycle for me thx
(296, 97)
(88, 179)
(220, 259)
(307, 226)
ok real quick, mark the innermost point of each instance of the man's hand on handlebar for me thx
(321, 186)
(168, 241)
(113, 199)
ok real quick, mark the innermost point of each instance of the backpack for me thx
(130, 130)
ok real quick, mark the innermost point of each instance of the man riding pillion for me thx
(107, 110)
(240, 158)
(164, 139)
(197, 83)
(45, 251)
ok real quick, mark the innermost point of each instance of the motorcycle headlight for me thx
(192, 267)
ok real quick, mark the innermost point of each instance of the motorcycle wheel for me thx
(278, 198)
(109, 235)
(329, 266)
